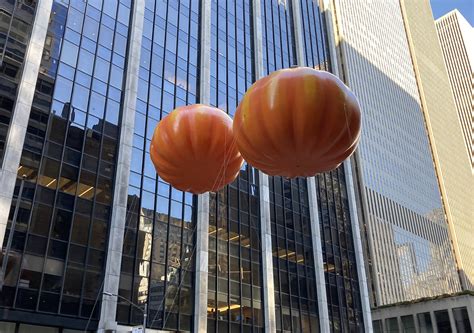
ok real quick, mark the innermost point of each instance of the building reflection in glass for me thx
(158, 250)
(340, 266)
(235, 275)
(293, 261)
(16, 21)
(69, 161)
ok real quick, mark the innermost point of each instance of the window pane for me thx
(408, 324)
(442, 321)
(377, 325)
(424, 321)
(392, 325)
(461, 318)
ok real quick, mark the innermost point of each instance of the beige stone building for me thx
(457, 43)
(448, 119)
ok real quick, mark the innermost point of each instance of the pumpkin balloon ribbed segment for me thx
(297, 122)
(193, 148)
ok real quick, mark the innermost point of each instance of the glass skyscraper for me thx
(98, 234)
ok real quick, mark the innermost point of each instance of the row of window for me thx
(342, 285)
(441, 323)
(340, 266)
(68, 161)
(235, 300)
(293, 260)
(158, 251)
(423, 264)
(16, 20)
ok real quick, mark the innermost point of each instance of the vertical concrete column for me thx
(324, 322)
(264, 193)
(267, 256)
(298, 27)
(433, 322)
(400, 324)
(119, 204)
(21, 111)
(470, 310)
(451, 320)
(363, 283)
(417, 323)
(384, 328)
(202, 228)
(370, 238)
(202, 260)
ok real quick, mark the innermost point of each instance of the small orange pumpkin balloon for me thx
(193, 148)
(297, 122)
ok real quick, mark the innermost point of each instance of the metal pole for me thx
(10, 235)
(145, 316)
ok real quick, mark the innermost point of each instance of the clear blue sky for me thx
(466, 7)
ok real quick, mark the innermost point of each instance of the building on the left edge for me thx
(98, 234)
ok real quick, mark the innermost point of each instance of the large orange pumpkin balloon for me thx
(193, 148)
(297, 122)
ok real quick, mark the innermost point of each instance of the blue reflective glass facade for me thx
(293, 261)
(56, 268)
(15, 28)
(277, 35)
(340, 266)
(158, 250)
(57, 261)
(235, 275)
(314, 35)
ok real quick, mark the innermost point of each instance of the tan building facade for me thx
(457, 43)
(445, 129)
(407, 232)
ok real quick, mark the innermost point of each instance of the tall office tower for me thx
(445, 131)
(93, 238)
(63, 139)
(392, 60)
(457, 42)
(409, 243)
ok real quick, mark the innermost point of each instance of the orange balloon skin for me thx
(193, 148)
(297, 122)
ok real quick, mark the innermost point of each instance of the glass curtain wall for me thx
(31, 157)
(16, 22)
(278, 35)
(461, 319)
(340, 266)
(158, 251)
(293, 262)
(69, 162)
(314, 39)
(235, 275)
